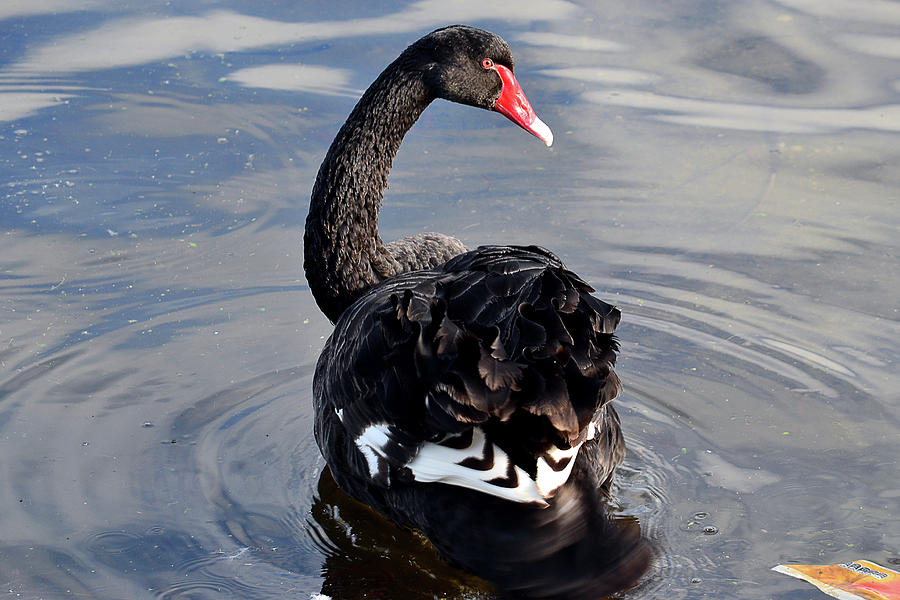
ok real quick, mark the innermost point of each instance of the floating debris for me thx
(855, 580)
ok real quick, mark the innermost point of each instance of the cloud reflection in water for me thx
(753, 117)
(298, 78)
(133, 41)
(137, 41)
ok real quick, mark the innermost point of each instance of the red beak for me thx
(515, 106)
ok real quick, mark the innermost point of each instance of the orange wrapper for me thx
(856, 580)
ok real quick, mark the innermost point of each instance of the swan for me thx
(465, 393)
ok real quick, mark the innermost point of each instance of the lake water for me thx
(727, 173)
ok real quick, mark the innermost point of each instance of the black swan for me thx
(464, 393)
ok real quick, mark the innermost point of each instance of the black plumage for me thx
(490, 338)
(465, 393)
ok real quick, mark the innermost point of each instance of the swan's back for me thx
(488, 373)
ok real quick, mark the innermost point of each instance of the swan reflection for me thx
(368, 556)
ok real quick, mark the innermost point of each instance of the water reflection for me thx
(770, 63)
(145, 40)
(607, 75)
(876, 11)
(368, 556)
(753, 117)
(887, 46)
(26, 567)
(571, 550)
(23, 8)
(18, 104)
(298, 78)
(573, 42)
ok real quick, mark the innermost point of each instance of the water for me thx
(724, 172)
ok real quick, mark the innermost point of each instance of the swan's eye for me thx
(487, 63)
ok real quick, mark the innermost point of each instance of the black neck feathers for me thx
(344, 254)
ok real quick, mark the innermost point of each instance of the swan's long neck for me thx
(344, 254)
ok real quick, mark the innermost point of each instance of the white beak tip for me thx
(540, 129)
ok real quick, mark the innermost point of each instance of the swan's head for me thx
(475, 67)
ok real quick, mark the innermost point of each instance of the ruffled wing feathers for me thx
(502, 338)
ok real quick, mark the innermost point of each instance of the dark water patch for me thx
(26, 375)
(365, 554)
(169, 562)
(225, 404)
(125, 310)
(33, 570)
(134, 550)
(82, 387)
(764, 60)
